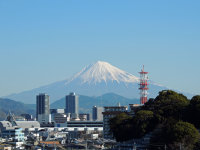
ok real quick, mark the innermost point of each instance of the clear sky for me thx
(43, 41)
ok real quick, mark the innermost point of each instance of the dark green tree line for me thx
(172, 114)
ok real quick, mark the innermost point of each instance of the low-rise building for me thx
(11, 123)
(16, 134)
(83, 117)
(60, 119)
(85, 124)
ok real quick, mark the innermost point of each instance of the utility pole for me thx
(165, 147)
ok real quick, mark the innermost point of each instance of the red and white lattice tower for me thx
(143, 86)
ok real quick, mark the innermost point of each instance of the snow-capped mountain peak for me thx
(94, 80)
(103, 72)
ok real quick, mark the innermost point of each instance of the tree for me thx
(125, 127)
(183, 133)
(121, 127)
(197, 145)
(168, 104)
(193, 111)
(175, 134)
(143, 122)
(165, 114)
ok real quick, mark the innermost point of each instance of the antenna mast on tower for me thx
(143, 86)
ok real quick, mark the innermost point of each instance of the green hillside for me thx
(15, 107)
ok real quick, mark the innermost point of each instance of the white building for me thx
(97, 113)
(10, 123)
(44, 118)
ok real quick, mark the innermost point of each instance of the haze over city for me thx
(42, 42)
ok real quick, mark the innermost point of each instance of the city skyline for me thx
(42, 42)
(101, 74)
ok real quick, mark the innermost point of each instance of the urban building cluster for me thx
(65, 117)
(63, 128)
(53, 127)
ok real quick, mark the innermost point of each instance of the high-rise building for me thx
(72, 105)
(43, 108)
(97, 113)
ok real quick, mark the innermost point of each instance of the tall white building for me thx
(97, 113)
(42, 108)
(110, 112)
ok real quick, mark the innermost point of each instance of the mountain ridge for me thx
(93, 80)
(15, 107)
(86, 102)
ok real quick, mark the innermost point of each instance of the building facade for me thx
(42, 108)
(84, 124)
(97, 113)
(72, 105)
(54, 111)
(84, 116)
(17, 134)
(110, 112)
(60, 119)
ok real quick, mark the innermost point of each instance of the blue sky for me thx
(46, 41)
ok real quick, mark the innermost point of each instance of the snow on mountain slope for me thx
(94, 80)
(103, 72)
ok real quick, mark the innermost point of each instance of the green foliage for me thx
(168, 104)
(165, 114)
(175, 134)
(125, 127)
(193, 111)
(183, 133)
(121, 127)
(195, 100)
(143, 122)
(197, 145)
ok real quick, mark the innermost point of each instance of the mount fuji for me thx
(94, 80)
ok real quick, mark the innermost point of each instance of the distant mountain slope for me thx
(102, 72)
(17, 108)
(94, 80)
(86, 103)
